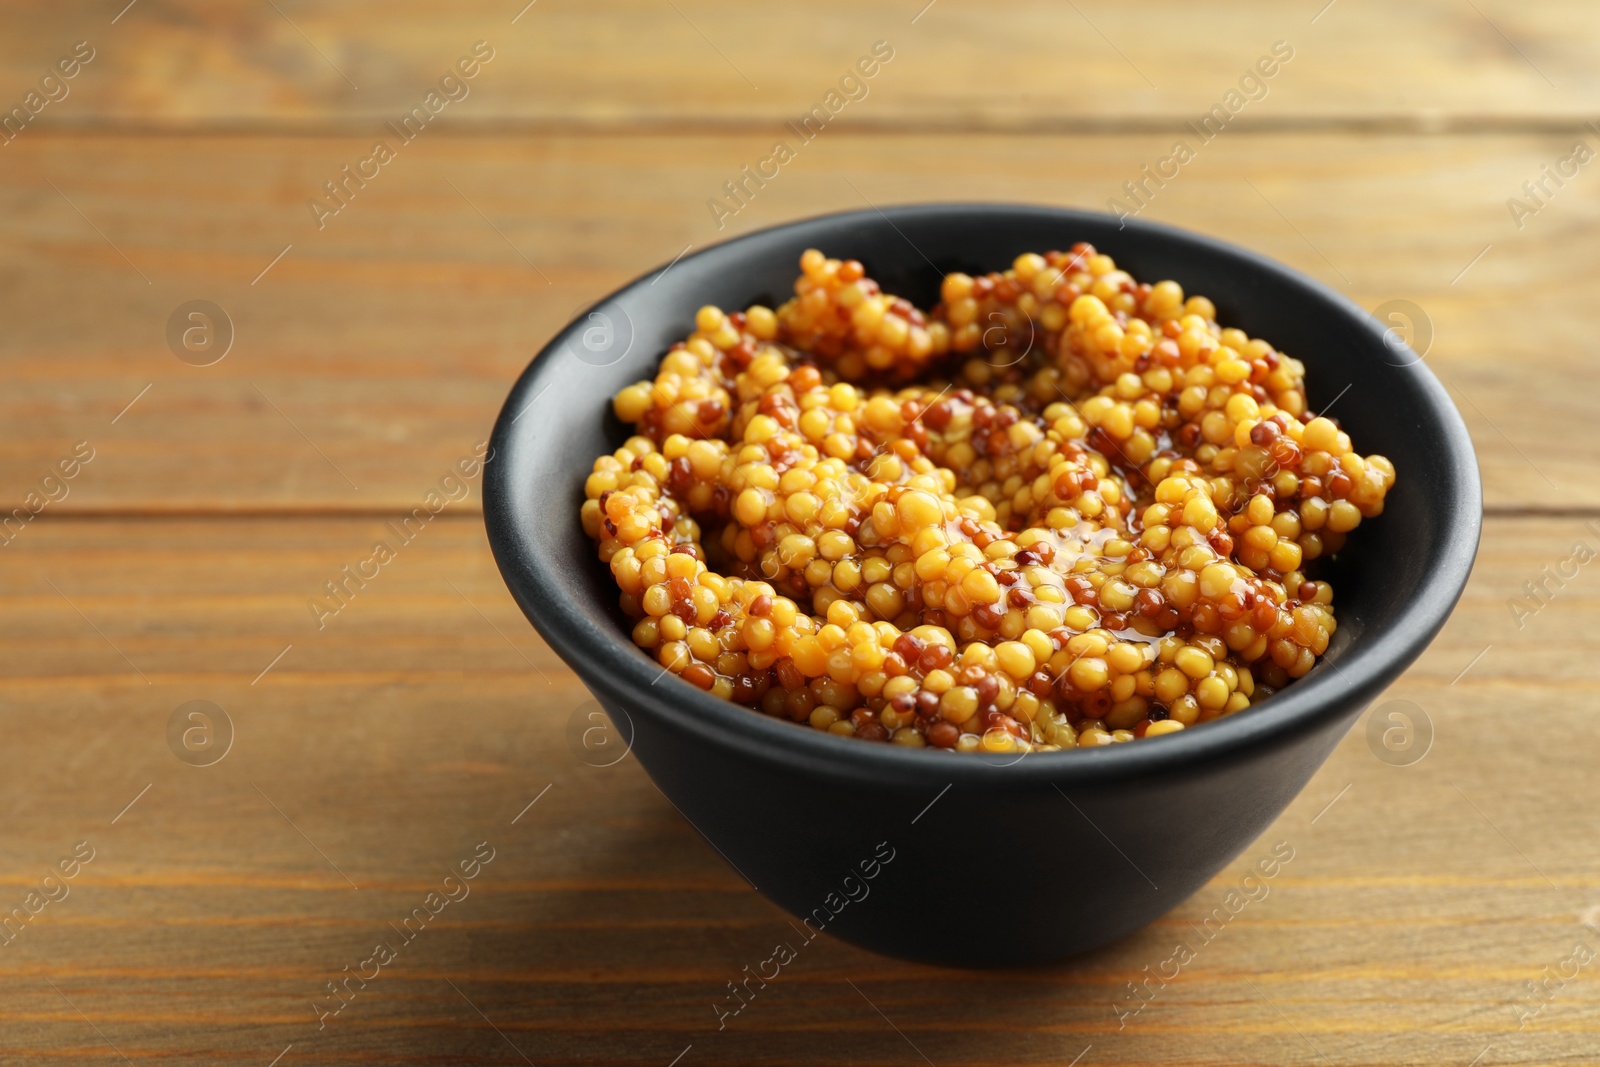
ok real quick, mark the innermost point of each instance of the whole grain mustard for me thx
(1062, 508)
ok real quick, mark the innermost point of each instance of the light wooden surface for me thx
(391, 336)
(956, 63)
(370, 755)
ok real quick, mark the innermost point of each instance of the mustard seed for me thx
(854, 513)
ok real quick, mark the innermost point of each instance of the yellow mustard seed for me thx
(1099, 520)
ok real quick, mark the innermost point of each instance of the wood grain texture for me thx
(957, 64)
(376, 749)
(379, 348)
(425, 718)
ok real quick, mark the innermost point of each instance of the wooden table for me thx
(367, 757)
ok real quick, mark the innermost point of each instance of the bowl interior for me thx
(1394, 583)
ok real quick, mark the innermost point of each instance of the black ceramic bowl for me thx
(979, 860)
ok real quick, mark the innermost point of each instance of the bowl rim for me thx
(608, 662)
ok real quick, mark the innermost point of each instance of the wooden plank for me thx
(417, 724)
(186, 63)
(376, 351)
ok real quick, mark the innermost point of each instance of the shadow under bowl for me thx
(980, 860)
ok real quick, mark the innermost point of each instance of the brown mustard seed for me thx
(1098, 522)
